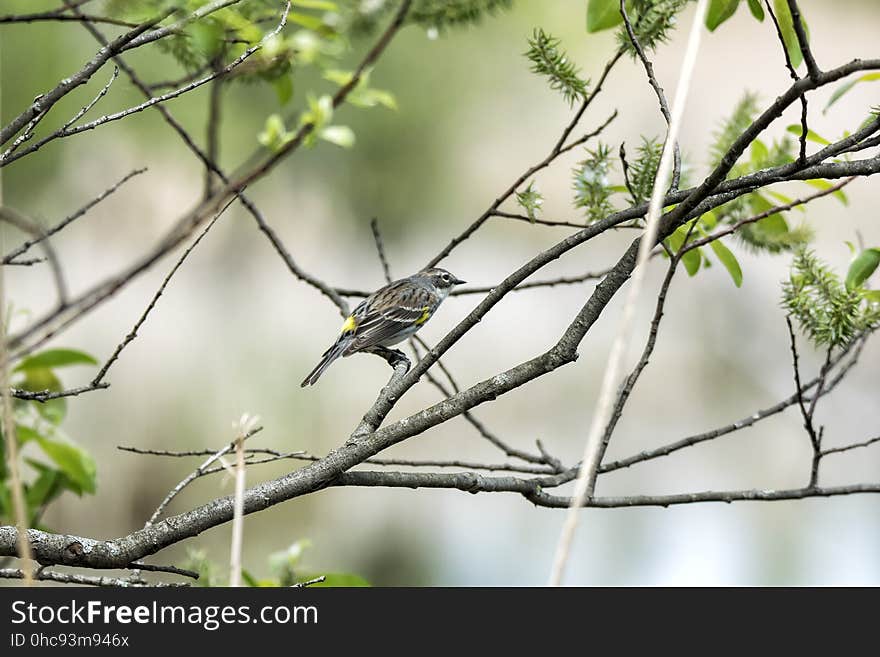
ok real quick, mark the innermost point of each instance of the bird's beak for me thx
(458, 281)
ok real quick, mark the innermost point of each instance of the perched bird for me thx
(389, 316)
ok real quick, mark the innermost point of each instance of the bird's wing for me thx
(390, 311)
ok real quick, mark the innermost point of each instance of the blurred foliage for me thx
(284, 566)
(59, 464)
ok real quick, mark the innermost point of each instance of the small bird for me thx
(389, 316)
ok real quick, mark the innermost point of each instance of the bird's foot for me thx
(394, 357)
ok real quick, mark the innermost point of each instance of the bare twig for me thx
(469, 417)
(31, 227)
(846, 448)
(551, 282)
(305, 456)
(67, 131)
(79, 580)
(164, 569)
(45, 101)
(9, 257)
(557, 150)
(315, 580)
(815, 437)
(46, 395)
(794, 76)
(195, 475)
(593, 444)
(661, 97)
(380, 249)
(804, 43)
(143, 318)
(763, 215)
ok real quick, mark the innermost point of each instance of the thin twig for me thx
(815, 438)
(262, 224)
(305, 456)
(804, 43)
(46, 395)
(795, 77)
(604, 408)
(79, 580)
(8, 258)
(763, 215)
(469, 417)
(557, 150)
(309, 582)
(164, 569)
(143, 318)
(846, 448)
(66, 131)
(661, 97)
(380, 249)
(195, 475)
(31, 227)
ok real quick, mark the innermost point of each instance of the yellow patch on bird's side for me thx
(426, 314)
(350, 324)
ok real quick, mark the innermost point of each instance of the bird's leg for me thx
(394, 357)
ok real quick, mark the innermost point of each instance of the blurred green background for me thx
(236, 333)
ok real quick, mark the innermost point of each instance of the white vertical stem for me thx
(592, 447)
(8, 427)
(237, 515)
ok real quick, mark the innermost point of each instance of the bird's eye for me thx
(446, 278)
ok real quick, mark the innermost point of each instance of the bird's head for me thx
(441, 279)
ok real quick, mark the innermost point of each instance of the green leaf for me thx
(25, 434)
(274, 134)
(338, 580)
(283, 88)
(317, 4)
(758, 153)
(341, 135)
(55, 358)
(873, 296)
(796, 129)
(603, 15)
(73, 461)
(846, 86)
(320, 111)
(308, 21)
(757, 9)
(45, 488)
(786, 26)
(729, 261)
(38, 379)
(822, 184)
(692, 260)
(862, 268)
(719, 11)
(250, 580)
(709, 219)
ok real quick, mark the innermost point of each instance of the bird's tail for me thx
(334, 352)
